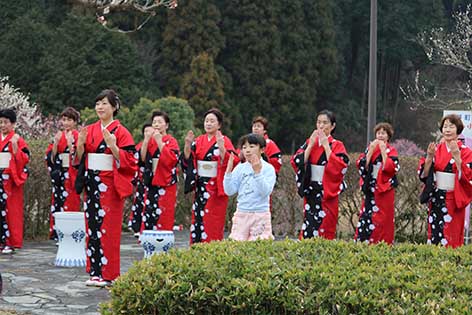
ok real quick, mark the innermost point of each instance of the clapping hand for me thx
(431, 151)
(256, 164)
(189, 138)
(109, 138)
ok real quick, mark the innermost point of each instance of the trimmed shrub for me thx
(290, 277)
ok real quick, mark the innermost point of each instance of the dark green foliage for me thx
(84, 59)
(203, 89)
(180, 114)
(192, 28)
(283, 59)
(69, 63)
(289, 277)
(22, 46)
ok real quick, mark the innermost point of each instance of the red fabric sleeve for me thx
(18, 162)
(463, 186)
(170, 154)
(169, 157)
(387, 172)
(223, 163)
(123, 176)
(334, 171)
(274, 155)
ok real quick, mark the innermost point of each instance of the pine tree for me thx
(203, 89)
(84, 59)
(192, 28)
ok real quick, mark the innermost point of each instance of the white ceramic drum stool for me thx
(70, 227)
(156, 241)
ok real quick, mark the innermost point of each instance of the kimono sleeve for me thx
(170, 154)
(335, 170)
(463, 186)
(223, 163)
(274, 156)
(168, 160)
(19, 161)
(388, 171)
(124, 174)
(428, 181)
(302, 172)
(189, 169)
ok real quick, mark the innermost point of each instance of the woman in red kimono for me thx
(108, 165)
(378, 167)
(446, 172)
(58, 159)
(272, 151)
(204, 165)
(136, 216)
(160, 154)
(14, 155)
(320, 165)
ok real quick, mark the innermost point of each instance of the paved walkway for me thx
(33, 285)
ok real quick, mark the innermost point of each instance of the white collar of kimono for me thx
(105, 127)
(3, 137)
(447, 147)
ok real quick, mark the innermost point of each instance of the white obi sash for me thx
(375, 170)
(155, 161)
(317, 172)
(100, 161)
(207, 168)
(5, 158)
(445, 181)
(64, 157)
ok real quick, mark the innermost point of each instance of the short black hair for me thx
(215, 111)
(8, 114)
(71, 112)
(252, 138)
(331, 117)
(164, 115)
(144, 127)
(112, 97)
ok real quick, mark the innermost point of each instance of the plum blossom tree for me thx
(146, 7)
(448, 48)
(30, 122)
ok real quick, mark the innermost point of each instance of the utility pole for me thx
(372, 103)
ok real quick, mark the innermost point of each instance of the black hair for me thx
(252, 138)
(8, 114)
(71, 112)
(331, 117)
(112, 97)
(164, 115)
(144, 127)
(215, 111)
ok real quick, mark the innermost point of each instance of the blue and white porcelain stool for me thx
(70, 227)
(156, 241)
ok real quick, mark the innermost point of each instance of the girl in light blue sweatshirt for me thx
(253, 180)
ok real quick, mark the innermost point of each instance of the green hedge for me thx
(292, 277)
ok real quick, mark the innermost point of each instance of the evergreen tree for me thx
(203, 89)
(279, 54)
(192, 28)
(22, 45)
(84, 59)
(180, 114)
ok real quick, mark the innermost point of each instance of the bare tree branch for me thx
(445, 48)
(105, 7)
